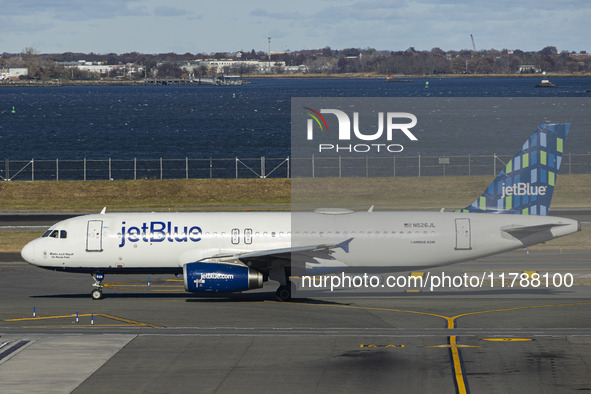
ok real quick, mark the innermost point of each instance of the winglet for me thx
(345, 245)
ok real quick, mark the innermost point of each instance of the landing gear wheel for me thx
(283, 293)
(97, 294)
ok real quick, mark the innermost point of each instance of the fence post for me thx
(135, 168)
(287, 174)
(340, 166)
(161, 168)
(236, 167)
(110, 173)
(495, 164)
(263, 167)
(32, 169)
(186, 168)
(7, 168)
(57, 169)
(419, 166)
(210, 168)
(85, 168)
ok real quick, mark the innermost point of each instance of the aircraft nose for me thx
(28, 253)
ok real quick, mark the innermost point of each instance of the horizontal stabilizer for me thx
(520, 232)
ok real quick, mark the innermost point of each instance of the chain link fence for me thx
(263, 167)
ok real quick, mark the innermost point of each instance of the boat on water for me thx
(545, 83)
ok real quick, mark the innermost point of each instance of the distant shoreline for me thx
(419, 76)
(54, 83)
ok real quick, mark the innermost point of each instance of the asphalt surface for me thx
(158, 338)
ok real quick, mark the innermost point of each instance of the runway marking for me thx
(451, 324)
(508, 339)
(371, 345)
(459, 376)
(111, 317)
(19, 344)
(460, 380)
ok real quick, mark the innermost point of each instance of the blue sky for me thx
(150, 26)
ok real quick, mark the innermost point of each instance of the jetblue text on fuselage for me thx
(344, 132)
(159, 232)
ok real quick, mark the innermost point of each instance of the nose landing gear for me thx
(97, 293)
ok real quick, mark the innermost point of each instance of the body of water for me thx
(97, 122)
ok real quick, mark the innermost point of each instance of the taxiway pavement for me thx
(158, 338)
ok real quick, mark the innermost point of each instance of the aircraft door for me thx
(463, 234)
(94, 236)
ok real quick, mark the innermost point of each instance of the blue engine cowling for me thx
(220, 277)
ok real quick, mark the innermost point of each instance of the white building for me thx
(13, 73)
(221, 64)
(101, 68)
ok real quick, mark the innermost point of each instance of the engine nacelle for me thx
(220, 277)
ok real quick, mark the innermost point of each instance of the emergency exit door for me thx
(94, 236)
(463, 234)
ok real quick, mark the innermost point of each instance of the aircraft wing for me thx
(265, 260)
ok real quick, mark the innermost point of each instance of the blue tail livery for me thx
(526, 184)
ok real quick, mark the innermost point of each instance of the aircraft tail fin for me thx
(526, 184)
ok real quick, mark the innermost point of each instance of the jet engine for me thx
(220, 277)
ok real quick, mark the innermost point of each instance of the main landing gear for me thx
(282, 275)
(97, 293)
(283, 293)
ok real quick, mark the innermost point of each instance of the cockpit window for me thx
(55, 234)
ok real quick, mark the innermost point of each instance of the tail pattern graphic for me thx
(526, 184)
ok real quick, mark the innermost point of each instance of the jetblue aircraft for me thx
(229, 251)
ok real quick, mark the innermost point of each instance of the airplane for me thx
(239, 251)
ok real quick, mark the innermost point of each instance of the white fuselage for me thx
(383, 241)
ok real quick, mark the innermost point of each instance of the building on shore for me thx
(13, 73)
(101, 68)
